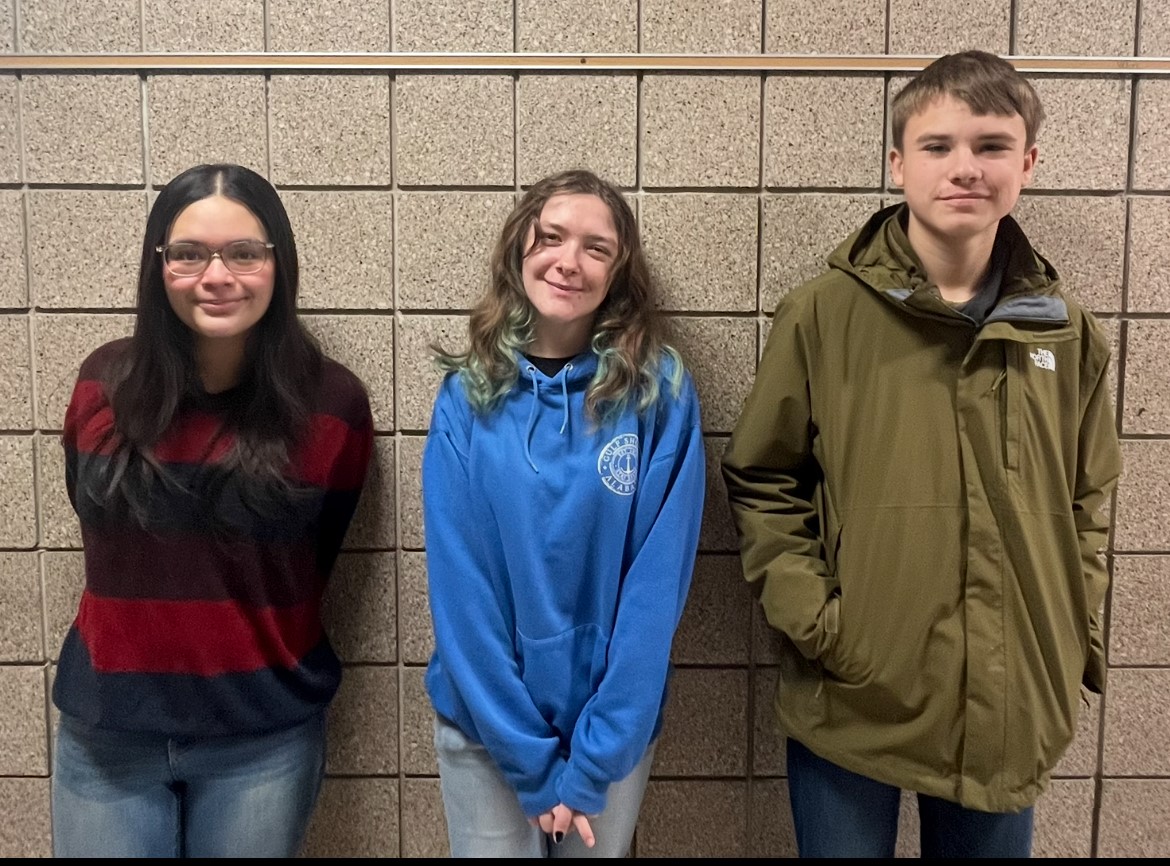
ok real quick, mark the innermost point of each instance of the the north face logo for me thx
(1044, 359)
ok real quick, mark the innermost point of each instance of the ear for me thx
(896, 166)
(1030, 157)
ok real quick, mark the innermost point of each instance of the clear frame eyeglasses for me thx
(191, 258)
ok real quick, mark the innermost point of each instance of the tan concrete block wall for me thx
(742, 182)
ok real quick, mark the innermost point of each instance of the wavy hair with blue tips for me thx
(629, 334)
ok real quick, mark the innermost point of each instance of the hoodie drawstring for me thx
(565, 395)
(530, 370)
(531, 420)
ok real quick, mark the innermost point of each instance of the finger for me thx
(581, 823)
(562, 822)
(546, 822)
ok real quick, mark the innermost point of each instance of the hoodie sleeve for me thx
(772, 478)
(617, 723)
(1098, 467)
(473, 641)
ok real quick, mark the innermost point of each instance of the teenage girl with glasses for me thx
(214, 459)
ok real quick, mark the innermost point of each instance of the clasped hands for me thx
(560, 821)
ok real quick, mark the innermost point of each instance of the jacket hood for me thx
(879, 255)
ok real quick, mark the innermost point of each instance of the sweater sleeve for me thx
(347, 479)
(69, 442)
(772, 479)
(617, 723)
(1098, 468)
(89, 421)
(472, 637)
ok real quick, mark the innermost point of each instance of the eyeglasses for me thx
(191, 258)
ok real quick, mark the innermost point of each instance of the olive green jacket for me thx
(919, 504)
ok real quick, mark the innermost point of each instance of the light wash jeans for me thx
(838, 813)
(145, 795)
(484, 818)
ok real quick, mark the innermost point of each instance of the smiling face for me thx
(567, 270)
(221, 307)
(961, 172)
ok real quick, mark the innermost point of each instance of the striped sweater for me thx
(186, 629)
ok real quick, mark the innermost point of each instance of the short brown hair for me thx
(986, 83)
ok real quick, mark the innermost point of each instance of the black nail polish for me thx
(558, 836)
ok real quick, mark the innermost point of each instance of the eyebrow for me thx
(943, 138)
(545, 227)
(177, 240)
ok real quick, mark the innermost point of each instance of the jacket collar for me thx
(879, 254)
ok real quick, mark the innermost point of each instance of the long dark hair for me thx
(158, 371)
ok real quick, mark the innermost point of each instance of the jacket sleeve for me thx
(473, 640)
(1098, 468)
(620, 719)
(772, 481)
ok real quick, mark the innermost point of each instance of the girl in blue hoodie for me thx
(563, 482)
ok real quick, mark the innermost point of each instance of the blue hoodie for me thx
(559, 555)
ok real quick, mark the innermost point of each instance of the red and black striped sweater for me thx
(207, 620)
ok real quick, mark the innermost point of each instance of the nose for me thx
(964, 165)
(216, 270)
(567, 261)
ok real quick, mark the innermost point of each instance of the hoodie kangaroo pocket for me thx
(561, 673)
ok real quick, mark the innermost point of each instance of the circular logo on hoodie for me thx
(617, 464)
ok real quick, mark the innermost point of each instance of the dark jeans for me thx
(841, 814)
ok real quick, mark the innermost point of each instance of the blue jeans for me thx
(484, 818)
(118, 794)
(841, 814)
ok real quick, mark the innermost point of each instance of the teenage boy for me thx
(918, 479)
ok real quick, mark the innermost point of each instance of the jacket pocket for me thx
(837, 662)
(562, 672)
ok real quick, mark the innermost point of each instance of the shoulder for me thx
(670, 366)
(452, 407)
(828, 287)
(804, 317)
(674, 379)
(342, 394)
(678, 399)
(1095, 340)
(90, 403)
(90, 392)
(99, 361)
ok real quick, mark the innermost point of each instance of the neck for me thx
(220, 363)
(560, 342)
(955, 266)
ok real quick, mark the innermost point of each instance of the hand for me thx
(560, 821)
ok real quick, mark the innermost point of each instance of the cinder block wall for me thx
(397, 185)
